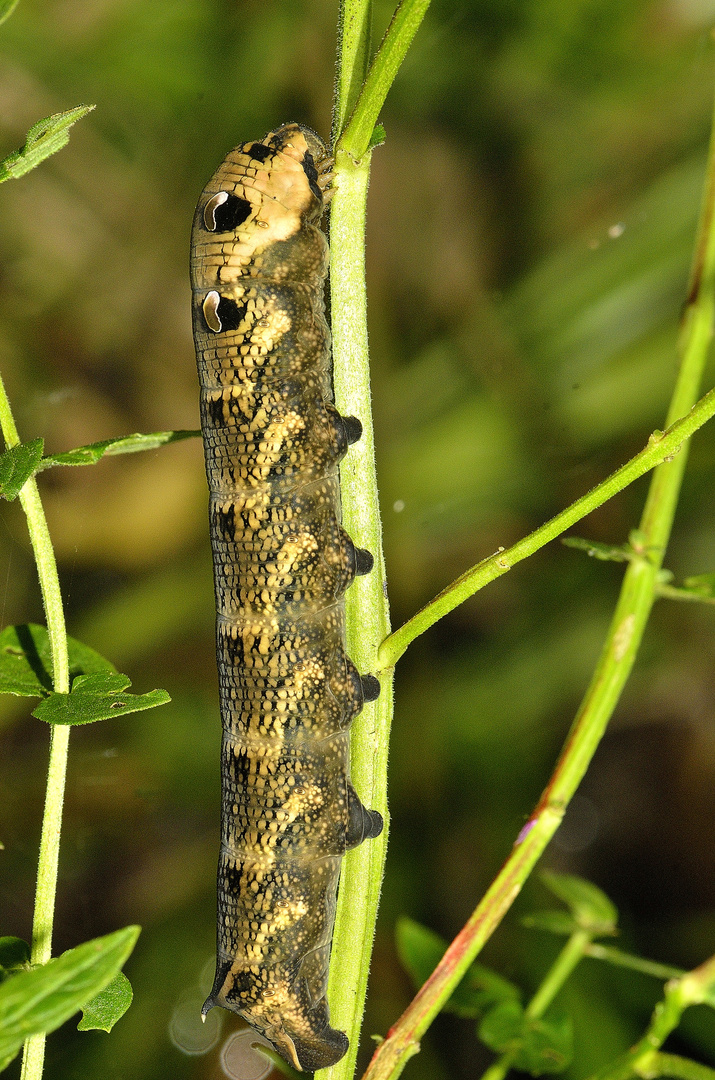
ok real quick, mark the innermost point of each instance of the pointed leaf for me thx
(110, 1005)
(44, 138)
(41, 999)
(420, 950)
(590, 907)
(17, 465)
(26, 660)
(127, 444)
(538, 1046)
(605, 552)
(554, 922)
(96, 697)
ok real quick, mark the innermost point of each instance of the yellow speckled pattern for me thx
(282, 562)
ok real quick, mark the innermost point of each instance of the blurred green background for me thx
(531, 217)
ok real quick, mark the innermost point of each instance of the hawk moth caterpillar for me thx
(282, 562)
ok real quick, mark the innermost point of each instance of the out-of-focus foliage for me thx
(531, 216)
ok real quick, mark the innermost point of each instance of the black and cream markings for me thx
(282, 563)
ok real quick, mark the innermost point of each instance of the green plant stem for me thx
(644, 1059)
(572, 952)
(367, 614)
(48, 860)
(354, 36)
(633, 963)
(405, 23)
(612, 671)
(660, 447)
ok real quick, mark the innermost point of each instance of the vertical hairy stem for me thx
(366, 602)
(48, 860)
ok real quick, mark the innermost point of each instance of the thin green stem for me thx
(633, 963)
(644, 1059)
(612, 671)
(559, 972)
(355, 139)
(570, 955)
(48, 860)
(354, 36)
(661, 446)
(367, 614)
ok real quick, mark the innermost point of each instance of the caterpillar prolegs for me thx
(282, 562)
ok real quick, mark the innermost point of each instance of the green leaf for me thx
(538, 1046)
(17, 465)
(420, 950)
(378, 137)
(41, 999)
(102, 1012)
(96, 697)
(14, 953)
(6, 9)
(605, 552)
(44, 138)
(554, 922)
(126, 444)
(590, 907)
(702, 584)
(26, 660)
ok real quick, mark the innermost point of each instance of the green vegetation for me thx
(530, 226)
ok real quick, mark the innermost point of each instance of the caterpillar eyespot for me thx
(282, 562)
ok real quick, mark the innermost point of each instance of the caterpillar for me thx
(282, 562)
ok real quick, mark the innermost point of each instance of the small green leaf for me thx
(96, 697)
(14, 953)
(554, 922)
(590, 907)
(44, 138)
(378, 137)
(420, 950)
(6, 9)
(110, 1005)
(704, 584)
(538, 1046)
(605, 552)
(127, 444)
(26, 660)
(41, 999)
(16, 467)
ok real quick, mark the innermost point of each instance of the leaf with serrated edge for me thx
(96, 697)
(17, 465)
(42, 999)
(110, 1005)
(26, 660)
(590, 907)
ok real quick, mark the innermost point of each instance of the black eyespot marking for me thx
(282, 563)
(225, 213)
(222, 313)
(259, 152)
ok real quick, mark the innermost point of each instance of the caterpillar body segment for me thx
(282, 562)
